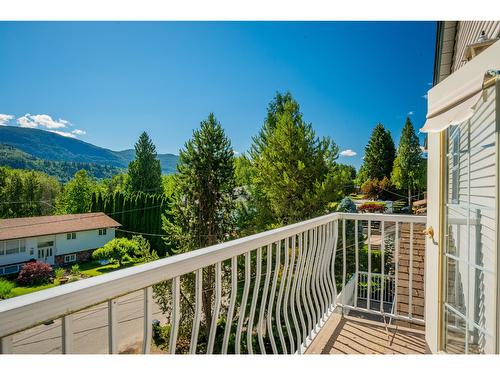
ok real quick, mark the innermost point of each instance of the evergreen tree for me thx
(379, 155)
(409, 170)
(145, 170)
(201, 211)
(294, 170)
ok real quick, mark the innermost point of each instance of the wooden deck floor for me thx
(358, 335)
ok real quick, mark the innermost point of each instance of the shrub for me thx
(75, 269)
(117, 250)
(143, 251)
(59, 272)
(6, 287)
(371, 189)
(35, 273)
(372, 207)
(346, 205)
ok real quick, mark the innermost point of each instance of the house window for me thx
(102, 232)
(46, 244)
(71, 236)
(70, 258)
(11, 247)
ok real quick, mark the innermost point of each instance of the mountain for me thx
(46, 145)
(62, 170)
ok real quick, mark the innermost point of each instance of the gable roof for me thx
(25, 227)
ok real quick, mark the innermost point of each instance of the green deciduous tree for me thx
(26, 193)
(76, 196)
(409, 170)
(117, 250)
(201, 212)
(379, 155)
(145, 170)
(294, 170)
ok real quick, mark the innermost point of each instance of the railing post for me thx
(344, 264)
(369, 291)
(232, 303)
(176, 291)
(382, 266)
(215, 316)
(356, 255)
(67, 334)
(197, 310)
(6, 345)
(148, 320)
(112, 325)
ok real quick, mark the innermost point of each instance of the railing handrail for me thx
(17, 314)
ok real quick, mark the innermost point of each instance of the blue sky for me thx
(105, 83)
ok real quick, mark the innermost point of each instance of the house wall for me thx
(467, 33)
(85, 240)
(455, 37)
(432, 263)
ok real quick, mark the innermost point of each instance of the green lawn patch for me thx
(94, 268)
(20, 290)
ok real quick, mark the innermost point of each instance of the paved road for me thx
(91, 329)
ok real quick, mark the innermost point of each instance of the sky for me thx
(106, 82)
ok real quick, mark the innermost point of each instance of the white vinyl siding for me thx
(471, 213)
(468, 33)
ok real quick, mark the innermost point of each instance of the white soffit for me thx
(452, 101)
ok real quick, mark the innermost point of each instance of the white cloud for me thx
(235, 152)
(44, 121)
(411, 113)
(4, 119)
(79, 132)
(348, 153)
(26, 122)
(48, 123)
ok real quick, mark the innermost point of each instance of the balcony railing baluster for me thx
(255, 295)
(297, 295)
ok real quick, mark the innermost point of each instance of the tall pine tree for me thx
(295, 173)
(203, 201)
(409, 170)
(145, 170)
(379, 155)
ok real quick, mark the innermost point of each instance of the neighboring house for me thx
(463, 127)
(52, 239)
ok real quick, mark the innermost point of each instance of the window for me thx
(11, 247)
(71, 236)
(46, 244)
(102, 232)
(70, 258)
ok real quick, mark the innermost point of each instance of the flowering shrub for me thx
(372, 207)
(34, 273)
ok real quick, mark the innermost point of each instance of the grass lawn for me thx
(91, 269)
(20, 290)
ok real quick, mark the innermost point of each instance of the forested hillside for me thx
(50, 146)
(62, 170)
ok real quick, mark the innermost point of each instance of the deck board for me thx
(357, 335)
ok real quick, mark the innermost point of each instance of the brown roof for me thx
(25, 227)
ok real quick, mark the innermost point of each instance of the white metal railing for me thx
(276, 300)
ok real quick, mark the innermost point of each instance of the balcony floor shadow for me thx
(359, 334)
